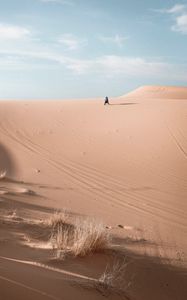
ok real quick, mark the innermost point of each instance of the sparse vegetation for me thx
(79, 239)
(2, 174)
(59, 218)
(113, 279)
(13, 214)
(89, 236)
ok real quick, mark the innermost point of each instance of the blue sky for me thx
(89, 48)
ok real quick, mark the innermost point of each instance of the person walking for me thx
(106, 101)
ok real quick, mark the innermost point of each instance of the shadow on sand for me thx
(7, 163)
(150, 277)
(127, 103)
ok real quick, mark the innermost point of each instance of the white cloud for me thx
(63, 2)
(18, 55)
(113, 65)
(130, 67)
(11, 32)
(177, 8)
(72, 42)
(118, 40)
(180, 24)
(179, 15)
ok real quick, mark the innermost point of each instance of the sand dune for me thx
(125, 164)
(159, 92)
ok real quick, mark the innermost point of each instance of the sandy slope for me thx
(159, 92)
(125, 164)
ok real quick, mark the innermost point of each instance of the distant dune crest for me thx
(165, 92)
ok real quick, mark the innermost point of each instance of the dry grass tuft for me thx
(79, 239)
(62, 239)
(13, 214)
(59, 218)
(113, 279)
(89, 236)
(62, 232)
(3, 174)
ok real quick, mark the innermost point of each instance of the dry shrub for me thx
(13, 214)
(89, 236)
(62, 239)
(59, 218)
(3, 174)
(79, 239)
(113, 280)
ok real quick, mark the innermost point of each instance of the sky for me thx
(61, 49)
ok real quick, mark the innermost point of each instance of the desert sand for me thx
(123, 164)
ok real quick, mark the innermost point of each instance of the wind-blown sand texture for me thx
(124, 164)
